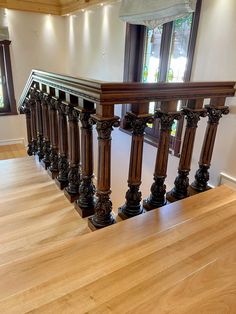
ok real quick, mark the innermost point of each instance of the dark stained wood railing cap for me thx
(122, 93)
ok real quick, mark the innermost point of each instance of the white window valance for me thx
(153, 13)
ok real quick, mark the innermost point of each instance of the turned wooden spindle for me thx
(193, 112)
(53, 119)
(32, 104)
(39, 123)
(72, 190)
(215, 111)
(46, 131)
(166, 115)
(63, 163)
(86, 202)
(137, 119)
(105, 121)
(26, 110)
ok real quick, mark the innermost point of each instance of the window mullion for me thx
(166, 40)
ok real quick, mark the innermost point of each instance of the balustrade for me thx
(62, 112)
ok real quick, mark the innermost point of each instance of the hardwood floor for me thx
(12, 151)
(180, 258)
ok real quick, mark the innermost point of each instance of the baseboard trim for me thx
(228, 180)
(13, 141)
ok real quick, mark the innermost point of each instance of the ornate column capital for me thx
(138, 123)
(104, 126)
(72, 113)
(167, 119)
(193, 116)
(215, 113)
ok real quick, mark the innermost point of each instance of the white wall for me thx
(38, 41)
(96, 40)
(215, 60)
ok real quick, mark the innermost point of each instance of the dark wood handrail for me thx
(121, 93)
(54, 104)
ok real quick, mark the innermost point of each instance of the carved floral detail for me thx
(63, 167)
(201, 178)
(193, 116)
(167, 119)
(73, 180)
(181, 185)
(104, 127)
(137, 124)
(214, 114)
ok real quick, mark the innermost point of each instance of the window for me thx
(7, 97)
(164, 54)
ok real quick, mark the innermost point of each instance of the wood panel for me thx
(69, 6)
(175, 259)
(57, 7)
(40, 6)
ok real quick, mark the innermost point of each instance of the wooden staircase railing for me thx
(55, 104)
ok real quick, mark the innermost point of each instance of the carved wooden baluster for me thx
(103, 208)
(192, 113)
(72, 190)
(86, 202)
(53, 168)
(138, 120)
(215, 111)
(63, 164)
(32, 103)
(39, 123)
(166, 115)
(46, 130)
(26, 110)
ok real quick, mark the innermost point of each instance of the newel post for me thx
(166, 115)
(137, 119)
(215, 111)
(72, 190)
(193, 112)
(86, 202)
(105, 121)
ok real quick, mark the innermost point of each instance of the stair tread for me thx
(125, 267)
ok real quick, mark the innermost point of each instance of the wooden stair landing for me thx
(33, 212)
(180, 258)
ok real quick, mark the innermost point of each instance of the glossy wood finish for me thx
(137, 119)
(53, 122)
(63, 162)
(193, 112)
(178, 259)
(78, 97)
(167, 114)
(121, 93)
(46, 130)
(86, 202)
(72, 190)
(34, 214)
(39, 123)
(215, 112)
(56, 7)
(103, 216)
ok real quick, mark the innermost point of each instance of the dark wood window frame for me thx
(7, 80)
(133, 66)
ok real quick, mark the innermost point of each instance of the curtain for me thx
(152, 13)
